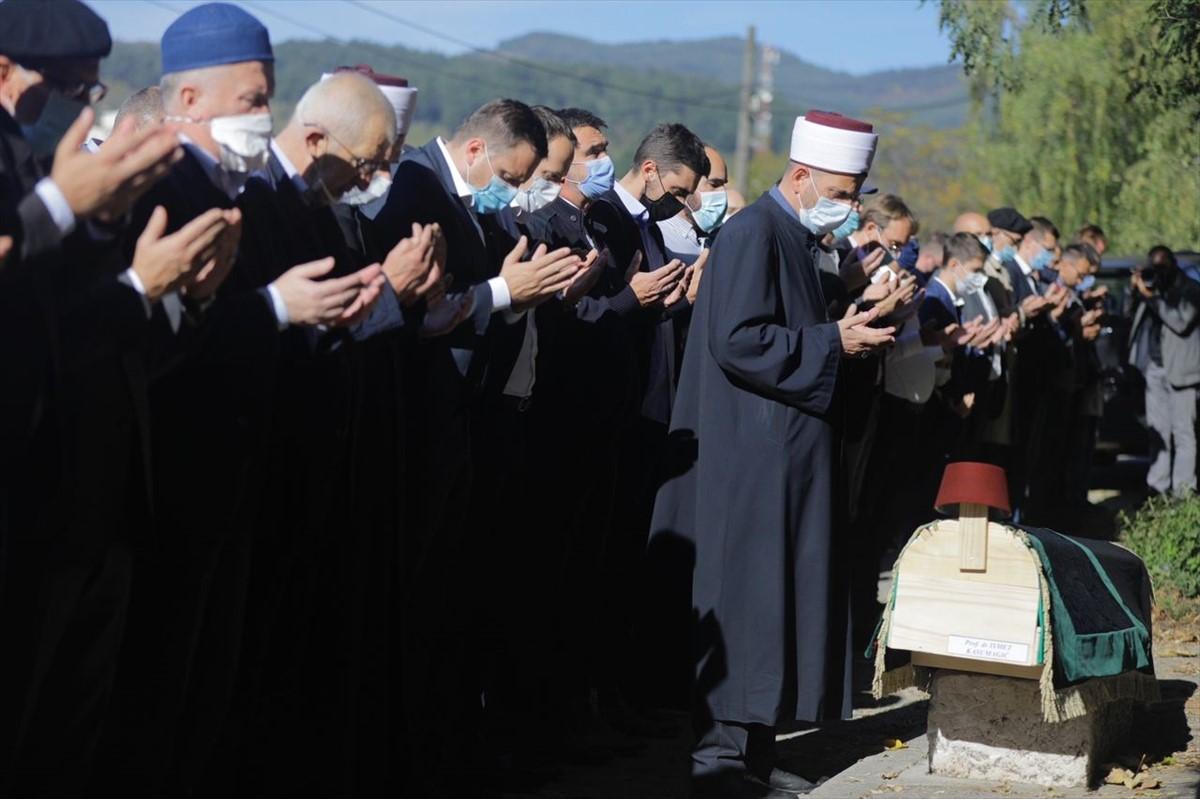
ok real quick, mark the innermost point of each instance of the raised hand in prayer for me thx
(203, 283)
(680, 290)
(163, 261)
(858, 337)
(591, 269)
(371, 285)
(6, 243)
(532, 282)
(409, 265)
(900, 293)
(697, 272)
(105, 184)
(312, 301)
(651, 287)
(856, 273)
(446, 312)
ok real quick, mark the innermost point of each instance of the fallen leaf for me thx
(1151, 782)
(1117, 776)
(890, 775)
(1167, 761)
(894, 744)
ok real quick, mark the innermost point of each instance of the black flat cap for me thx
(1009, 219)
(37, 30)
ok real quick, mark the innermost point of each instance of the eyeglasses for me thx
(364, 166)
(891, 247)
(87, 91)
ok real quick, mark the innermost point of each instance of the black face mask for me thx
(665, 207)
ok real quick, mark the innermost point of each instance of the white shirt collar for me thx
(958, 302)
(1026, 269)
(632, 204)
(461, 186)
(289, 168)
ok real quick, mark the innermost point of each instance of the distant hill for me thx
(690, 82)
(935, 96)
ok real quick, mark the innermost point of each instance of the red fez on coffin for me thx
(976, 483)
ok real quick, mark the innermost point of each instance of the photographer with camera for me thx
(1165, 347)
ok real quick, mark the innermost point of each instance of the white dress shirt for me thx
(680, 239)
(640, 215)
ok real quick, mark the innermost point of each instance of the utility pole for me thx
(741, 156)
(760, 105)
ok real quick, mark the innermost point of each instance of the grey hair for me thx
(145, 107)
(170, 83)
(340, 103)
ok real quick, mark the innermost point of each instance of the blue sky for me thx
(852, 35)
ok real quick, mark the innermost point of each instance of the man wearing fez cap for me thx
(754, 421)
(75, 435)
(210, 409)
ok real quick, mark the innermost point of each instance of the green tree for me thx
(1068, 121)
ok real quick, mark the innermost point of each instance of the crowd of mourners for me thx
(338, 466)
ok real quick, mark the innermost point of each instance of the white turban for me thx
(833, 143)
(402, 98)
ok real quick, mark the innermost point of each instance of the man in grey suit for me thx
(1166, 348)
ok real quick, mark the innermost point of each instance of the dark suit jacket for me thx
(586, 358)
(423, 191)
(652, 329)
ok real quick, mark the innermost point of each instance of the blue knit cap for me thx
(214, 34)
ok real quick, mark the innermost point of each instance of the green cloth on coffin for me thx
(1100, 605)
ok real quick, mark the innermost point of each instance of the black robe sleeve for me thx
(795, 364)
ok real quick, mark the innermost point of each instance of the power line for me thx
(534, 66)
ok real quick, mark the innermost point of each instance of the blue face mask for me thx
(493, 197)
(986, 241)
(1042, 260)
(599, 178)
(846, 228)
(1087, 284)
(1007, 254)
(711, 210)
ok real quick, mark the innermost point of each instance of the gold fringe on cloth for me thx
(1058, 705)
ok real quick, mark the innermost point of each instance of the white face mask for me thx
(380, 184)
(243, 138)
(826, 215)
(540, 194)
(244, 141)
(974, 281)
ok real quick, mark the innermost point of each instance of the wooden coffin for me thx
(967, 597)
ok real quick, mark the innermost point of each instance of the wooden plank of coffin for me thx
(988, 617)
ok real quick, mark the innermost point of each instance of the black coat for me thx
(586, 355)
(652, 329)
(752, 503)
(75, 414)
(214, 377)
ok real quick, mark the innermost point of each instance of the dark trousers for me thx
(640, 466)
(725, 752)
(62, 617)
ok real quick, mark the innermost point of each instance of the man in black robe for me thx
(75, 313)
(753, 435)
